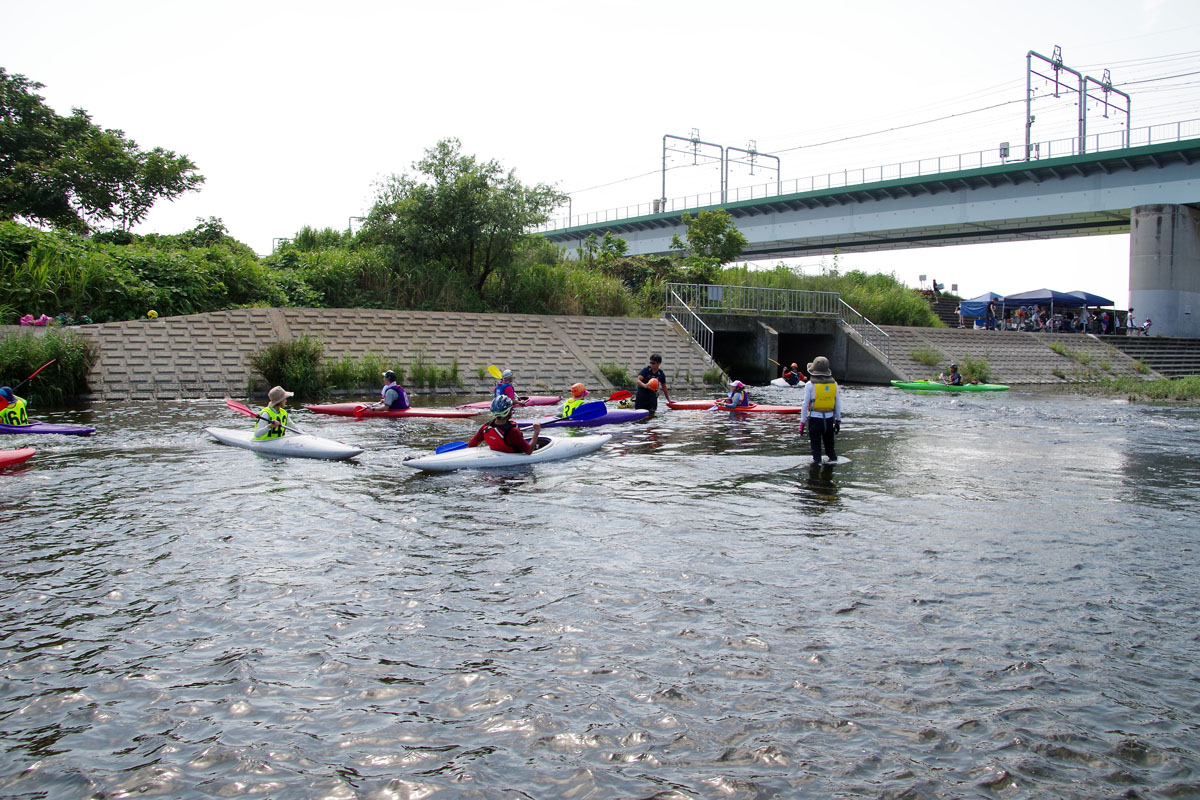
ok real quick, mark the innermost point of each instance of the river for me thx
(997, 597)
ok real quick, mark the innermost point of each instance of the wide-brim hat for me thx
(819, 366)
(278, 394)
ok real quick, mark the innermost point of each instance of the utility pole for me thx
(753, 155)
(1056, 64)
(695, 144)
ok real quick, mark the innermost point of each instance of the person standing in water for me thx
(822, 409)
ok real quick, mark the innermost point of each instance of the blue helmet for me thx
(502, 405)
(8, 394)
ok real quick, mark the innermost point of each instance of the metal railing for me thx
(687, 299)
(1093, 143)
(687, 319)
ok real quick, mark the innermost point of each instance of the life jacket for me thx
(495, 439)
(569, 406)
(503, 389)
(399, 404)
(271, 414)
(738, 398)
(791, 377)
(14, 413)
(825, 397)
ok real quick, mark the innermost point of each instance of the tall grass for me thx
(1187, 389)
(21, 355)
(295, 365)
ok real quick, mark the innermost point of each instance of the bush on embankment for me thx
(22, 354)
(1185, 389)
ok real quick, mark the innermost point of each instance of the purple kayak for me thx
(532, 400)
(48, 427)
(610, 418)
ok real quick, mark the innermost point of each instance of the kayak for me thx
(348, 410)
(938, 386)
(609, 418)
(782, 384)
(10, 458)
(48, 427)
(554, 448)
(300, 445)
(532, 400)
(691, 405)
(760, 407)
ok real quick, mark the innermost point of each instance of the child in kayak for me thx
(392, 396)
(953, 379)
(578, 392)
(501, 433)
(793, 375)
(739, 396)
(505, 387)
(12, 408)
(822, 413)
(272, 419)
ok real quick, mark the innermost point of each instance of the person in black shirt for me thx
(647, 393)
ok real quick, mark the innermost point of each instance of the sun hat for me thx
(391, 376)
(502, 406)
(737, 385)
(278, 395)
(579, 390)
(819, 366)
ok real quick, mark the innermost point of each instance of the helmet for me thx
(506, 375)
(7, 393)
(502, 406)
(795, 365)
(738, 385)
(579, 390)
(653, 384)
(391, 376)
(954, 366)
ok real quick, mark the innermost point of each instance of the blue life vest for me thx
(502, 389)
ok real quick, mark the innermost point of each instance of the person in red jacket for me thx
(501, 433)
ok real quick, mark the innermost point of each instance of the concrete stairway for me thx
(1013, 357)
(1170, 357)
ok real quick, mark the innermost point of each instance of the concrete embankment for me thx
(207, 355)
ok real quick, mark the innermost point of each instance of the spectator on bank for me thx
(1146, 327)
(1131, 325)
(991, 315)
(958, 311)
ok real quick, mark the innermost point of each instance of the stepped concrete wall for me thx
(207, 355)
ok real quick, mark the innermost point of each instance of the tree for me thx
(712, 241)
(68, 173)
(466, 216)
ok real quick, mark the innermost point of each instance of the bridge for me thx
(1149, 190)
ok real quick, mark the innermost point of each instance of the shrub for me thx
(351, 374)
(616, 374)
(714, 377)
(975, 369)
(21, 355)
(929, 356)
(295, 365)
(422, 373)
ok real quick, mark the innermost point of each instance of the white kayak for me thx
(483, 457)
(781, 383)
(294, 445)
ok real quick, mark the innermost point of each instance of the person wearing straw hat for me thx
(272, 419)
(821, 414)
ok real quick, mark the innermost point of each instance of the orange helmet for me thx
(653, 384)
(579, 390)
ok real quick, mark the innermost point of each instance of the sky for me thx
(294, 112)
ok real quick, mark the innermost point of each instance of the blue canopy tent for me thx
(1090, 299)
(977, 306)
(1043, 296)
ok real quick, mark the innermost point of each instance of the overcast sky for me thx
(293, 111)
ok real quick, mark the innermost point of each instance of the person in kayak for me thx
(738, 395)
(821, 415)
(392, 395)
(272, 419)
(647, 393)
(505, 387)
(501, 433)
(14, 411)
(953, 379)
(578, 392)
(792, 374)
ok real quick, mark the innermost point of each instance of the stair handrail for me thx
(691, 322)
(868, 332)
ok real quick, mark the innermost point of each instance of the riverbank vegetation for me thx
(22, 356)
(1176, 389)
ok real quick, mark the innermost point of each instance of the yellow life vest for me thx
(279, 414)
(569, 406)
(825, 397)
(14, 413)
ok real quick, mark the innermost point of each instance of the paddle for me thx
(242, 408)
(591, 410)
(620, 394)
(448, 446)
(4, 400)
(773, 361)
(495, 372)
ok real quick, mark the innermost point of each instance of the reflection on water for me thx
(996, 598)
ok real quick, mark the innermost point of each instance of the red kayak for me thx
(720, 405)
(532, 400)
(10, 458)
(353, 410)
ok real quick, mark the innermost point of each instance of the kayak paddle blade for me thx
(591, 410)
(495, 372)
(450, 446)
(620, 394)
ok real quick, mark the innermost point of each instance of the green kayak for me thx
(938, 386)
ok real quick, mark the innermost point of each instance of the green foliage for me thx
(975, 369)
(616, 374)
(929, 356)
(422, 373)
(457, 216)
(712, 239)
(71, 174)
(349, 374)
(1186, 389)
(22, 354)
(295, 365)
(714, 377)
(568, 288)
(1142, 367)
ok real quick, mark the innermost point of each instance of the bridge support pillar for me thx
(1164, 268)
